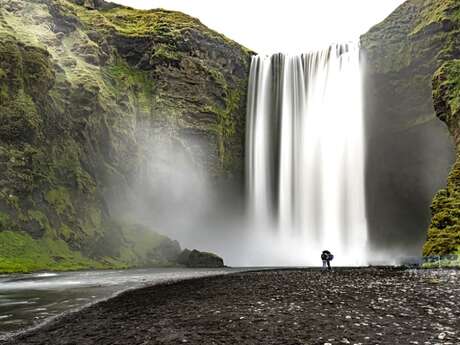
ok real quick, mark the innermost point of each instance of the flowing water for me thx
(30, 299)
(305, 156)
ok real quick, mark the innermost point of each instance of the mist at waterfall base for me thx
(173, 193)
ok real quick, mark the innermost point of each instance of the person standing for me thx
(327, 256)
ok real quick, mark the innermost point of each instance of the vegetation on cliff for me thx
(444, 231)
(409, 149)
(79, 80)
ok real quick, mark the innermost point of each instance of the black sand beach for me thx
(347, 306)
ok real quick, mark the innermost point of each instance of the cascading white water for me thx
(305, 156)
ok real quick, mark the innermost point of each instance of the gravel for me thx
(296, 306)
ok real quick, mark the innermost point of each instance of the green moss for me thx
(125, 81)
(128, 76)
(21, 253)
(91, 223)
(227, 126)
(164, 52)
(409, 37)
(141, 242)
(133, 22)
(65, 232)
(5, 221)
(169, 25)
(218, 78)
(38, 71)
(435, 13)
(444, 232)
(95, 216)
(11, 200)
(60, 200)
(42, 219)
(26, 73)
(65, 167)
(131, 245)
(446, 86)
(20, 120)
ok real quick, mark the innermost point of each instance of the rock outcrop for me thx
(196, 259)
(409, 150)
(84, 85)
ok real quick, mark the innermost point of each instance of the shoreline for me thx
(201, 309)
(10, 336)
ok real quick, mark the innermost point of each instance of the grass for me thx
(436, 12)
(121, 77)
(447, 85)
(60, 199)
(21, 253)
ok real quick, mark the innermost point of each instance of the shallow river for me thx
(29, 299)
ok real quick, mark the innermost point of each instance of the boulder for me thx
(197, 259)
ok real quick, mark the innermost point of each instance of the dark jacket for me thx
(326, 255)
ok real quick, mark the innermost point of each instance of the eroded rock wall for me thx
(444, 230)
(409, 151)
(84, 85)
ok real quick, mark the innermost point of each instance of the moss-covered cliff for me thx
(409, 149)
(79, 81)
(444, 231)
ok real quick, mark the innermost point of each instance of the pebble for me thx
(279, 307)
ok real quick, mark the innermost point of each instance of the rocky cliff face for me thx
(85, 87)
(444, 231)
(409, 149)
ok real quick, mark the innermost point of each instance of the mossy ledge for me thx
(79, 80)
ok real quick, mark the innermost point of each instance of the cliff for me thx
(409, 151)
(444, 230)
(86, 89)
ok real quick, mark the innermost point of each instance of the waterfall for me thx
(305, 156)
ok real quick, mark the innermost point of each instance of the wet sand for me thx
(347, 306)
